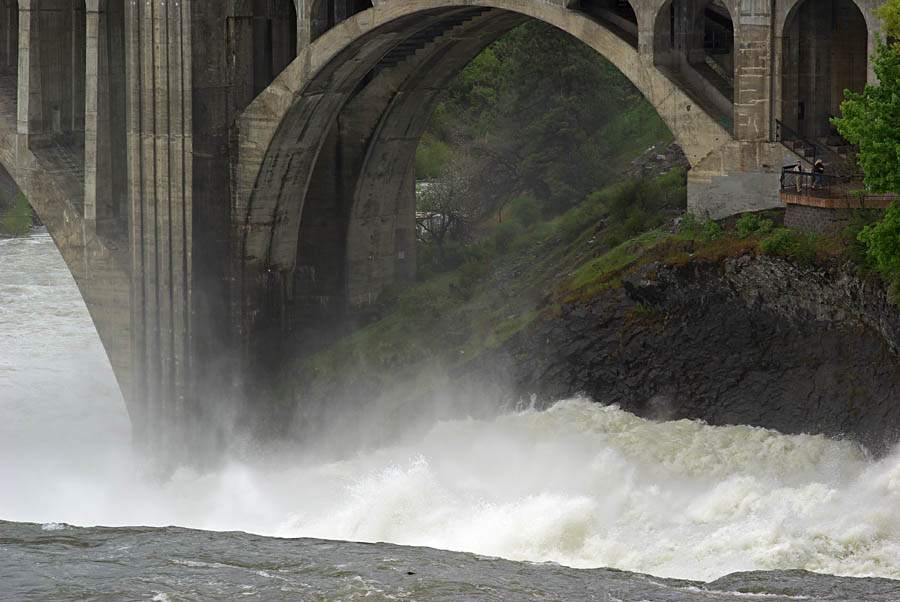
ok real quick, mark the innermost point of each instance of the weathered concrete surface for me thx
(223, 176)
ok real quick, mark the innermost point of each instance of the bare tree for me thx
(447, 207)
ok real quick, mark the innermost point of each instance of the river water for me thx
(576, 502)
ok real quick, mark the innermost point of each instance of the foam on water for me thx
(579, 484)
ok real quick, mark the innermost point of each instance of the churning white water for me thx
(579, 484)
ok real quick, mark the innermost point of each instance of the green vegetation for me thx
(17, 218)
(751, 223)
(890, 14)
(872, 120)
(882, 241)
(519, 126)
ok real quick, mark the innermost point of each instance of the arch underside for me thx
(399, 58)
(322, 228)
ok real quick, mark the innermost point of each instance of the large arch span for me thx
(281, 136)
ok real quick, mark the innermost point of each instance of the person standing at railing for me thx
(798, 171)
(819, 174)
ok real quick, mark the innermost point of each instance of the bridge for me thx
(227, 178)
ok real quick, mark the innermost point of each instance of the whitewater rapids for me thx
(579, 484)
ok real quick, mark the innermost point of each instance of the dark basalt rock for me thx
(757, 340)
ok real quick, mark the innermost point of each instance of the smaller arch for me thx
(824, 52)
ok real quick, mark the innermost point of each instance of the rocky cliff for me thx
(754, 340)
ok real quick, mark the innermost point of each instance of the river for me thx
(576, 502)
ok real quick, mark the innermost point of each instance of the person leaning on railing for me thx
(818, 174)
(789, 177)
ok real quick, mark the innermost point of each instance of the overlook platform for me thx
(826, 207)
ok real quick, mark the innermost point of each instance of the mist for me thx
(579, 483)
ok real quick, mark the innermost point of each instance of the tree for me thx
(872, 119)
(890, 14)
(445, 208)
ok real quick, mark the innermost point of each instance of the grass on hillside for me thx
(17, 220)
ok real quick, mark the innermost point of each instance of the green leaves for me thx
(872, 120)
(882, 242)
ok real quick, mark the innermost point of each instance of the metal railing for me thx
(833, 191)
(805, 147)
(810, 183)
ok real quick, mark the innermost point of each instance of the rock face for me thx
(757, 340)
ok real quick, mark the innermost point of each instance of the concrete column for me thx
(9, 36)
(29, 100)
(159, 143)
(754, 37)
(303, 24)
(94, 89)
(105, 170)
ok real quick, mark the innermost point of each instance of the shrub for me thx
(785, 242)
(18, 220)
(576, 220)
(503, 235)
(432, 155)
(781, 242)
(689, 224)
(471, 273)
(882, 241)
(525, 209)
(434, 259)
(711, 229)
(747, 224)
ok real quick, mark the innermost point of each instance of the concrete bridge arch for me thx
(281, 134)
(220, 172)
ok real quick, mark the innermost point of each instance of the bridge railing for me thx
(828, 190)
(813, 150)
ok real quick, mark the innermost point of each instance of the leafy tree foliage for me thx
(872, 119)
(882, 241)
(890, 14)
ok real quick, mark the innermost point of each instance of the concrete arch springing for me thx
(285, 129)
(824, 52)
(618, 15)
